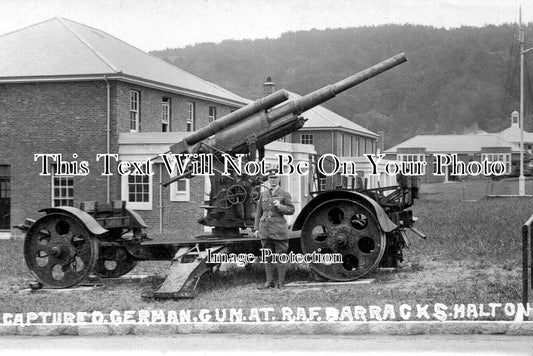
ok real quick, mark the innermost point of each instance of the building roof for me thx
(454, 143)
(512, 134)
(139, 146)
(320, 118)
(60, 49)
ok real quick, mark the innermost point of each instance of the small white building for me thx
(502, 146)
(512, 134)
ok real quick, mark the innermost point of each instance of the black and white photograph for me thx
(294, 177)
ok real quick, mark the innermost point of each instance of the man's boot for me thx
(269, 275)
(282, 269)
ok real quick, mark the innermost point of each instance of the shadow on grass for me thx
(250, 275)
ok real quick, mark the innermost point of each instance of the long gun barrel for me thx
(321, 95)
(262, 126)
(254, 123)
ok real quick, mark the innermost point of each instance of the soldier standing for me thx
(271, 227)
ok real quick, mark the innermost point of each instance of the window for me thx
(207, 190)
(134, 111)
(5, 179)
(179, 191)
(137, 191)
(367, 146)
(212, 114)
(306, 139)
(443, 169)
(322, 184)
(62, 189)
(411, 157)
(343, 151)
(5, 197)
(190, 116)
(349, 182)
(165, 119)
(505, 158)
(415, 157)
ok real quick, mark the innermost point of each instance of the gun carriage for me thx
(367, 227)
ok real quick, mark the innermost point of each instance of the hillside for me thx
(455, 80)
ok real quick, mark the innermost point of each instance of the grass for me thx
(473, 189)
(472, 255)
(485, 231)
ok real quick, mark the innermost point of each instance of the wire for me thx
(526, 72)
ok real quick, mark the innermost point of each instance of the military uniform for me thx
(269, 220)
(272, 228)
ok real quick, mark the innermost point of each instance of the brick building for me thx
(69, 89)
(73, 90)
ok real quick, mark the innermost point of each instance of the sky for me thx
(159, 24)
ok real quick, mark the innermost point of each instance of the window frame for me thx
(308, 138)
(212, 114)
(125, 193)
(505, 158)
(135, 101)
(411, 157)
(322, 184)
(180, 195)
(5, 181)
(69, 184)
(5, 196)
(165, 118)
(191, 116)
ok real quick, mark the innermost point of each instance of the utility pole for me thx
(521, 179)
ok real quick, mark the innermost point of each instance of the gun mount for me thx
(365, 226)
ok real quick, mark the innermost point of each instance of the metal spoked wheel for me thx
(348, 228)
(222, 200)
(236, 194)
(60, 251)
(256, 193)
(114, 262)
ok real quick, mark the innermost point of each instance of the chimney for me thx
(381, 142)
(269, 87)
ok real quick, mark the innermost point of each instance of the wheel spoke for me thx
(60, 251)
(114, 262)
(320, 219)
(352, 231)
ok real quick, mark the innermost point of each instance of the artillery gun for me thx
(367, 227)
